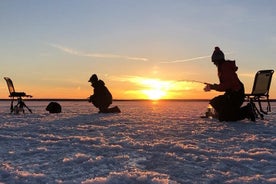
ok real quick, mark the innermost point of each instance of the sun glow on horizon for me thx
(154, 94)
(156, 89)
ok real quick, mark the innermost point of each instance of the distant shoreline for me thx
(81, 99)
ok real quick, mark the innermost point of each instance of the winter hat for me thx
(93, 78)
(217, 55)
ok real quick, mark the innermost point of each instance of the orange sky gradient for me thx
(141, 49)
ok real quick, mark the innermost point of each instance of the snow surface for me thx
(149, 142)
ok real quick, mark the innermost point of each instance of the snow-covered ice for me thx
(149, 142)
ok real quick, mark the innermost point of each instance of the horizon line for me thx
(85, 99)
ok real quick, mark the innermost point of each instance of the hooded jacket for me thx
(101, 97)
(228, 78)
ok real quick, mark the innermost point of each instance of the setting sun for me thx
(155, 88)
(154, 94)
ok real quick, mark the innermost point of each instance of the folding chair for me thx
(19, 96)
(260, 92)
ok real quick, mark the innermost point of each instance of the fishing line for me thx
(196, 81)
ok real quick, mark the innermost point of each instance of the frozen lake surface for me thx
(149, 142)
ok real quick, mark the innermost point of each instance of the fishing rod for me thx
(187, 80)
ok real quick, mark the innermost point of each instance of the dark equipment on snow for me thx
(54, 107)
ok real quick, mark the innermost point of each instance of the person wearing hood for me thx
(228, 105)
(101, 97)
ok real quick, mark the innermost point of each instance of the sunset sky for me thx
(141, 49)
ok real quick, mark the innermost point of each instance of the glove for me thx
(207, 88)
(214, 86)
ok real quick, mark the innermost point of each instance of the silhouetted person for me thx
(54, 107)
(227, 106)
(102, 97)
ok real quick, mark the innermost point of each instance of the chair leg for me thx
(19, 106)
(268, 108)
(261, 108)
(256, 110)
(22, 105)
(268, 105)
(11, 107)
